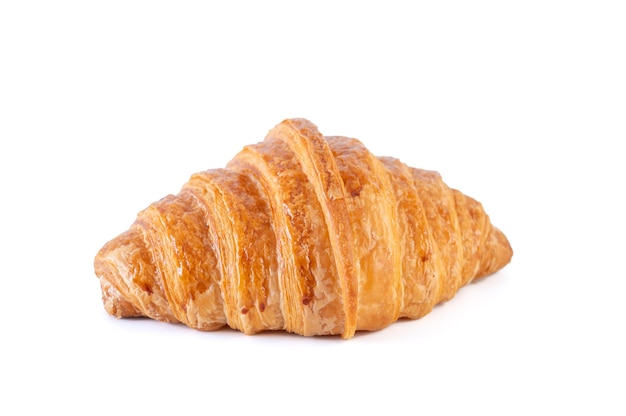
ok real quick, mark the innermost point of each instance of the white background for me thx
(106, 107)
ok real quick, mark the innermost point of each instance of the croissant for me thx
(303, 233)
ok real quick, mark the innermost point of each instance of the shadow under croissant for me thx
(303, 233)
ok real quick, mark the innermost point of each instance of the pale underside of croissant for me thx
(303, 233)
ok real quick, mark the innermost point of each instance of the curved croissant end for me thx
(303, 233)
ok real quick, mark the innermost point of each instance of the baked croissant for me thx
(303, 233)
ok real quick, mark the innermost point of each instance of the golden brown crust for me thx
(372, 213)
(129, 280)
(301, 233)
(419, 277)
(441, 214)
(184, 257)
(310, 290)
(318, 164)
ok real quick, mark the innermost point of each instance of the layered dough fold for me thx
(303, 233)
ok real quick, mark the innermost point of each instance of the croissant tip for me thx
(114, 303)
(505, 246)
(124, 268)
(499, 253)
